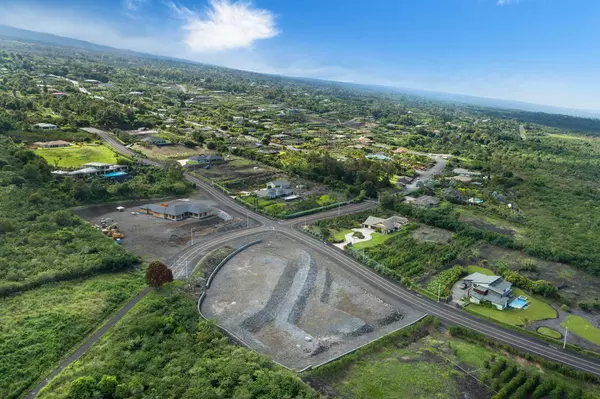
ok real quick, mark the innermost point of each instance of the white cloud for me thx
(506, 2)
(225, 25)
(133, 5)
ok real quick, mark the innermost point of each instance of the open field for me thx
(293, 304)
(403, 370)
(432, 234)
(163, 349)
(238, 173)
(572, 283)
(480, 219)
(537, 310)
(40, 326)
(168, 151)
(478, 269)
(155, 238)
(77, 155)
(583, 328)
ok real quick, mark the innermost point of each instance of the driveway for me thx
(349, 238)
(440, 165)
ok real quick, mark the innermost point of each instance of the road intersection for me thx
(392, 290)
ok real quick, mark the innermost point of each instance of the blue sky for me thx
(540, 51)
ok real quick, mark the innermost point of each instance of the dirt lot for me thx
(154, 238)
(432, 234)
(169, 152)
(290, 303)
(238, 173)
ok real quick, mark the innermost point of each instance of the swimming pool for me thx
(519, 303)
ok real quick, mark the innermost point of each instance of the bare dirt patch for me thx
(432, 234)
(289, 302)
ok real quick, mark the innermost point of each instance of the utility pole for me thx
(247, 219)
(192, 234)
(439, 291)
(305, 223)
(565, 341)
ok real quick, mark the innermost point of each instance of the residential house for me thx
(157, 141)
(203, 159)
(404, 180)
(52, 144)
(279, 184)
(179, 210)
(465, 172)
(364, 140)
(96, 169)
(462, 179)
(272, 193)
(378, 157)
(45, 126)
(493, 289)
(136, 93)
(279, 138)
(385, 226)
(425, 201)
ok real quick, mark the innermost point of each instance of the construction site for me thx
(156, 237)
(297, 306)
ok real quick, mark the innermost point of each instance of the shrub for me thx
(564, 307)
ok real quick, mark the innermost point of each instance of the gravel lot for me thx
(159, 239)
(292, 304)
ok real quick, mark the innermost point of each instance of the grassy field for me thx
(376, 239)
(583, 328)
(40, 326)
(423, 369)
(537, 310)
(340, 235)
(163, 349)
(478, 269)
(77, 155)
(549, 332)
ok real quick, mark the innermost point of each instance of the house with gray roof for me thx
(493, 289)
(179, 210)
(206, 158)
(279, 184)
(385, 226)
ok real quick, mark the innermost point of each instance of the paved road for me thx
(391, 289)
(440, 165)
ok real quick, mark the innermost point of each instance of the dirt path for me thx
(88, 344)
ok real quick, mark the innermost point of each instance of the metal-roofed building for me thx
(179, 210)
(493, 289)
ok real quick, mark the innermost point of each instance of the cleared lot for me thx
(155, 238)
(290, 303)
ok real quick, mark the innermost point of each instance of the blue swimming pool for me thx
(519, 303)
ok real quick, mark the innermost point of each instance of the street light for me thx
(192, 235)
(565, 341)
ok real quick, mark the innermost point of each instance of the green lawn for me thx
(340, 235)
(549, 332)
(537, 310)
(76, 155)
(479, 269)
(376, 239)
(40, 326)
(583, 328)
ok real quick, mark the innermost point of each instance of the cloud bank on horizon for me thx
(526, 52)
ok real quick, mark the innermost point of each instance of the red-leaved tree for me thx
(158, 274)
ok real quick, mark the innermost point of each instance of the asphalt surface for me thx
(447, 313)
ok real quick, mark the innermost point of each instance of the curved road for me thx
(447, 313)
